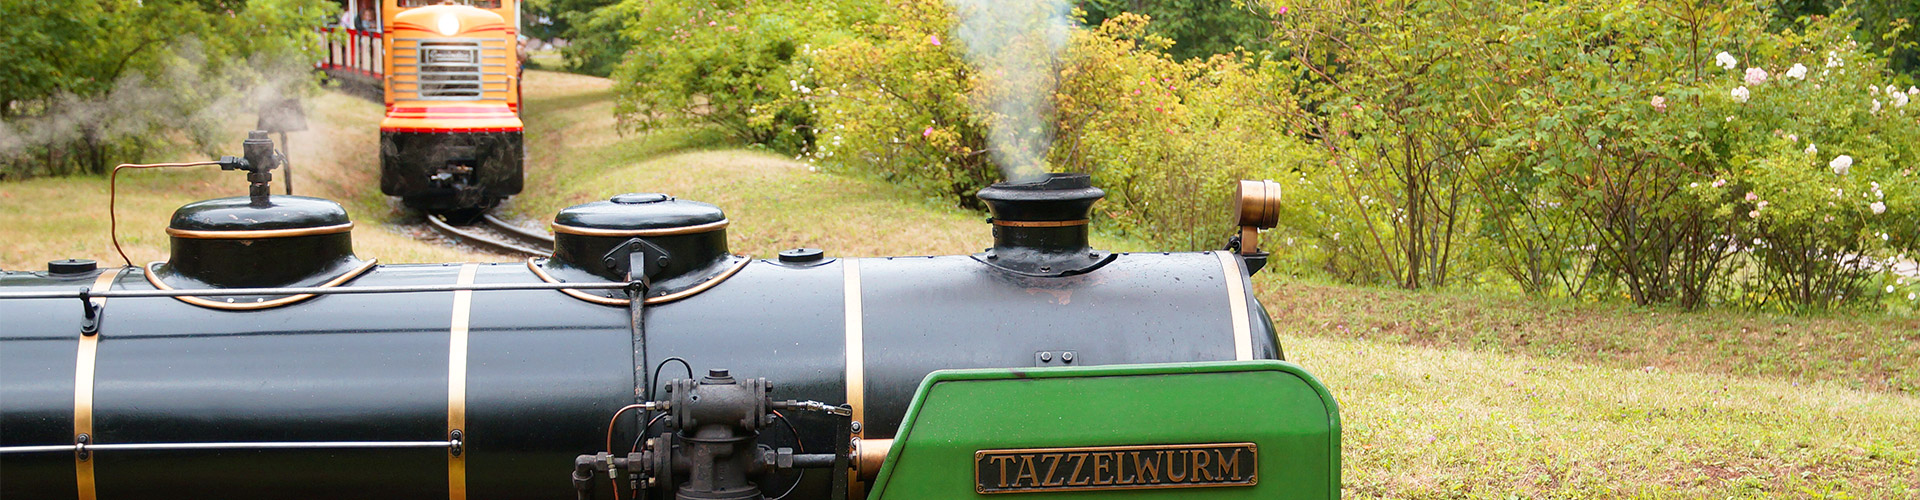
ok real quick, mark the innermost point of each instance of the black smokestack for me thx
(1040, 227)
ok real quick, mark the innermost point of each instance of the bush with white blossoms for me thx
(1831, 218)
(1718, 193)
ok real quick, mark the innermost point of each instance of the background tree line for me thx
(1688, 152)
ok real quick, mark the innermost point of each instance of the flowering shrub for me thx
(1670, 152)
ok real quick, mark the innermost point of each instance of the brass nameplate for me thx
(1115, 467)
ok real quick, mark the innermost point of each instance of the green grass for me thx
(1448, 423)
(1871, 352)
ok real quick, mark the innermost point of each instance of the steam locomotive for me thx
(265, 359)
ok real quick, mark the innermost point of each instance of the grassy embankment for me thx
(1443, 395)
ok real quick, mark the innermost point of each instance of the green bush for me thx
(736, 64)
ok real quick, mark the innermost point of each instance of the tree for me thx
(108, 80)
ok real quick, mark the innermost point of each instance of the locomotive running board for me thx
(1213, 430)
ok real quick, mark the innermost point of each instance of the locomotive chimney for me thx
(1040, 227)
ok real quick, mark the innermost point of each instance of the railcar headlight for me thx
(1257, 204)
(449, 25)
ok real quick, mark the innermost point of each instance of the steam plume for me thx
(180, 98)
(1013, 45)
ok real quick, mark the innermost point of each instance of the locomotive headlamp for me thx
(1256, 206)
(449, 25)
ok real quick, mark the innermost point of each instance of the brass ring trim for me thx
(85, 360)
(559, 228)
(1237, 307)
(154, 278)
(256, 234)
(457, 381)
(1039, 223)
(609, 301)
(856, 371)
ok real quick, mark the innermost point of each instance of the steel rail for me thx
(517, 231)
(270, 445)
(340, 290)
(476, 239)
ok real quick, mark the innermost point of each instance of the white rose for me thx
(1725, 60)
(1740, 94)
(1878, 208)
(1841, 164)
(1899, 100)
(1811, 149)
(1798, 71)
(1756, 76)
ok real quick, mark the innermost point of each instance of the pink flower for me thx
(933, 39)
(928, 132)
(1283, 9)
(1719, 182)
(1660, 103)
(1756, 75)
(1752, 197)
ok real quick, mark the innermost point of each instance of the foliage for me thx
(594, 43)
(1403, 110)
(1887, 26)
(731, 63)
(108, 79)
(1593, 146)
(894, 104)
(1198, 28)
(1588, 149)
(1165, 138)
(1169, 139)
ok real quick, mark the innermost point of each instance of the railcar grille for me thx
(448, 69)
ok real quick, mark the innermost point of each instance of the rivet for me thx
(856, 426)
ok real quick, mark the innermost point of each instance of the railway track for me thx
(496, 235)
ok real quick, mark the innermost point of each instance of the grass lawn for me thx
(1443, 395)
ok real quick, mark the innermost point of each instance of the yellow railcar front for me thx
(451, 140)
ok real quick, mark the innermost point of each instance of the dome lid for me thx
(239, 213)
(640, 212)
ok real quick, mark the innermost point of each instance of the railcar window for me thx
(484, 4)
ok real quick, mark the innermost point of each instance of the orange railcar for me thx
(449, 73)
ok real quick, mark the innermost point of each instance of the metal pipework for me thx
(261, 159)
(710, 451)
(868, 455)
(342, 290)
(270, 445)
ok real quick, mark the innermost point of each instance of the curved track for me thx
(504, 238)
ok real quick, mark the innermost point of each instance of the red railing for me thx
(360, 52)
